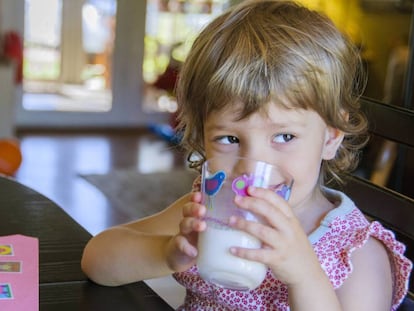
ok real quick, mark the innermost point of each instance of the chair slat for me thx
(390, 122)
(395, 210)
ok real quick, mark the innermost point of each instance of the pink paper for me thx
(19, 273)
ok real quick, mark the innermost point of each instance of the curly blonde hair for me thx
(270, 51)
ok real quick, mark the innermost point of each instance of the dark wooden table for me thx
(63, 286)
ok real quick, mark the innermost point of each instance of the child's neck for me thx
(311, 213)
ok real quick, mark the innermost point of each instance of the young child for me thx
(277, 82)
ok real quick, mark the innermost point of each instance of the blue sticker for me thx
(213, 184)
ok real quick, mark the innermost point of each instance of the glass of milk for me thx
(222, 179)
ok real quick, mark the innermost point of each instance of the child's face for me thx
(295, 139)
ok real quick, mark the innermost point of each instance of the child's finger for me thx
(191, 224)
(196, 197)
(193, 210)
(185, 247)
(261, 255)
(272, 198)
(269, 213)
(268, 235)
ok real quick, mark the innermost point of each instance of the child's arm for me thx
(147, 248)
(369, 287)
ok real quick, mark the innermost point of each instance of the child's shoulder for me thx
(347, 223)
(346, 229)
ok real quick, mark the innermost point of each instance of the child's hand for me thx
(182, 248)
(286, 248)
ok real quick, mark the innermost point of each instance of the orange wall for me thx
(376, 30)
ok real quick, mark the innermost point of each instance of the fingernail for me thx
(193, 253)
(237, 199)
(251, 189)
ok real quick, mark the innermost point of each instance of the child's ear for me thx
(333, 139)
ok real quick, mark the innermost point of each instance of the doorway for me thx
(83, 65)
(68, 49)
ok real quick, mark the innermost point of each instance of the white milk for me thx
(217, 265)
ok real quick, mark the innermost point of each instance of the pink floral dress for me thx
(343, 230)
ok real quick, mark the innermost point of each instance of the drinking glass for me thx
(222, 179)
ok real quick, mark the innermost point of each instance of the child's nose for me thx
(244, 166)
(256, 149)
(247, 166)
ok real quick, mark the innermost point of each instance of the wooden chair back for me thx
(394, 210)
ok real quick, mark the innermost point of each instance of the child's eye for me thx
(283, 138)
(227, 140)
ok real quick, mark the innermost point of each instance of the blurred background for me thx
(76, 66)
